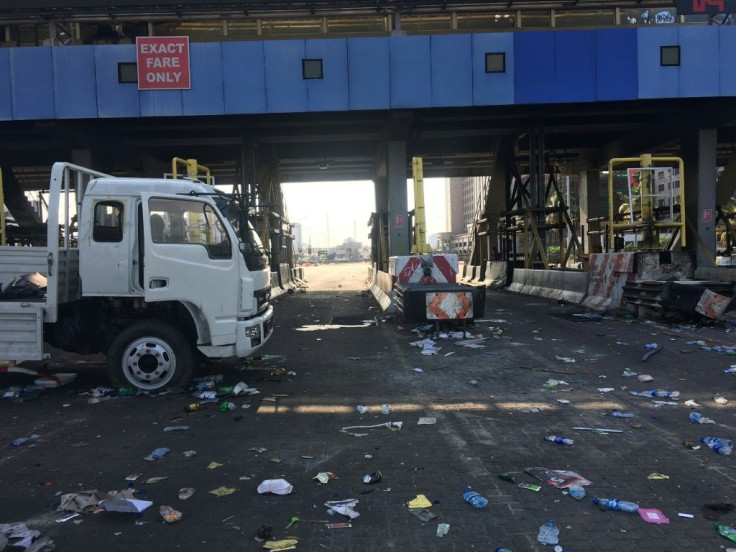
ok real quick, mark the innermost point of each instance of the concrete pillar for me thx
(589, 190)
(497, 193)
(699, 155)
(380, 189)
(398, 219)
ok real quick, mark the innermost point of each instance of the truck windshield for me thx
(252, 248)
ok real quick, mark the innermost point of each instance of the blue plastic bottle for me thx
(721, 446)
(474, 499)
(615, 504)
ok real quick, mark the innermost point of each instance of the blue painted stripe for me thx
(6, 102)
(368, 73)
(206, 96)
(617, 77)
(32, 83)
(493, 88)
(535, 70)
(330, 93)
(410, 71)
(244, 76)
(286, 90)
(451, 70)
(115, 99)
(75, 89)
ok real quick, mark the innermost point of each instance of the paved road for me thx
(481, 431)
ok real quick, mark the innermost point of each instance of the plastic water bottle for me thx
(549, 533)
(558, 440)
(663, 393)
(698, 418)
(576, 491)
(502, 550)
(474, 499)
(615, 504)
(619, 414)
(721, 446)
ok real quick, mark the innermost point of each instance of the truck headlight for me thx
(253, 333)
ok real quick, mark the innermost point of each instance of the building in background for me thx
(464, 203)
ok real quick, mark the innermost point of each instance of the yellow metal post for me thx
(193, 169)
(420, 245)
(3, 237)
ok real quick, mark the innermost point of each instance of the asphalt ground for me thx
(476, 395)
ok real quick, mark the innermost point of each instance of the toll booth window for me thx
(185, 222)
(495, 62)
(669, 56)
(108, 222)
(312, 69)
(127, 73)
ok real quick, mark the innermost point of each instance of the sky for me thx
(331, 212)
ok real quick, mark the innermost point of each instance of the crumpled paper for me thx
(275, 486)
(420, 501)
(344, 507)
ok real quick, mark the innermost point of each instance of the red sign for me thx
(398, 221)
(163, 63)
(706, 215)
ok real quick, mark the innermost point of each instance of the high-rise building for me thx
(464, 203)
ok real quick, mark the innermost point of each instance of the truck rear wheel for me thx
(150, 356)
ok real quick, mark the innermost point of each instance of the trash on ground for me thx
(652, 515)
(718, 398)
(713, 512)
(423, 515)
(427, 346)
(558, 440)
(125, 503)
(650, 354)
(565, 359)
(344, 507)
(549, 533)
(698, 418)
(629, 373)
(275, 486)
(561, 479)
(371, 478)
(259, 450)
(605, 389)
(663, 393)
(23, 537)
(280, 545)
(563, 401)
(189, 453)
(577, 492)
(691, 403)
(223, 491)
(472, 343)
(473, 498)
(421, 501)
(20, 441)
(601, 430)
(185, 493)
(151, 480)
(241, 388)
(81, 502)
(552, 383)
(324, 477)
(177, 428)
(651, 346)
(361, 409)
(156, 454)
(388, 425)
(726, 532)
(443, 529)
(339, 525)
(213, 465)
(615, 504)
(427, 421)
(684, 515)
(721, 446)
(529, 409)
(644, 377)
(417, 370)
(507, 477)
(530, 486)
(385, 409)
(657, 476)
(619, 414)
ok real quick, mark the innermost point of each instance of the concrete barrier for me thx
(382, 290)
(498, 274)
(285, 276)
(562, 285)
(609, 272)
(409, 269)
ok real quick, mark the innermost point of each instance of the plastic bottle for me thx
(619, 414)
(615, 504)
(385, 409)
(502, 550)
(698, 418)
(549, 533)
(558, 440)
(663, 393)
(227, 405)
(721, 446)
(20, 441)
(127, 391)
(576, 491)
(474, 499)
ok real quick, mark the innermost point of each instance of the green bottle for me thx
(726, 531)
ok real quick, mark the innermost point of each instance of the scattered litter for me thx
(561, 479)
(23, 537)
(185, 493)
(652, 515)
(507, 477)
(645, 377)
(443, 529)
(629, 373)
(605, 389)
(598, 429)
(576, 491)
(473, 383)
(650, 354)
(472, 343)
(427, 346)
(529, 410)
(213, 465)
(421, 501)
(549, 533)
(665, 403)
(344, 507)
(721, 446)
(531, 487)
(82, 502)
(152, 480)
(189, 453)
(726, 531)
(388, 425)
(125, 503)
(552, 383)
(20, 441)
(423, 515)
(657, 476)
(169, 514)
(565, 359)
(291, 373)
(619, 414)
(563, 401)
(417, 370)
(427, 421)
(674, 395)
(156, 454)
(385, 409)
(651, 346)
(718, 398)
(241, 388)
(684, 515)
(698, 418)
(177, 428)
(361, 409)
(339, 525)
(223, 491)
(283, 544)
(275, 460)
(259, 450)
(324, 477)
(691, 403)
(133, 476)
(275, 486)
(450, 353)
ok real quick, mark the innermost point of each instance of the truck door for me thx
(190, 256)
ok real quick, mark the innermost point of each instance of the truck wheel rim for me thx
(149, 363)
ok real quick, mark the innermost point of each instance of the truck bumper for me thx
(251, 335)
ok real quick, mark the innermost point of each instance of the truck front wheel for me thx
(150, 356)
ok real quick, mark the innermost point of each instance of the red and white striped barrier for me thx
(609, 272)
(442, 269)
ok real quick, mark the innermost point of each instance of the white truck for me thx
(154, 273)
